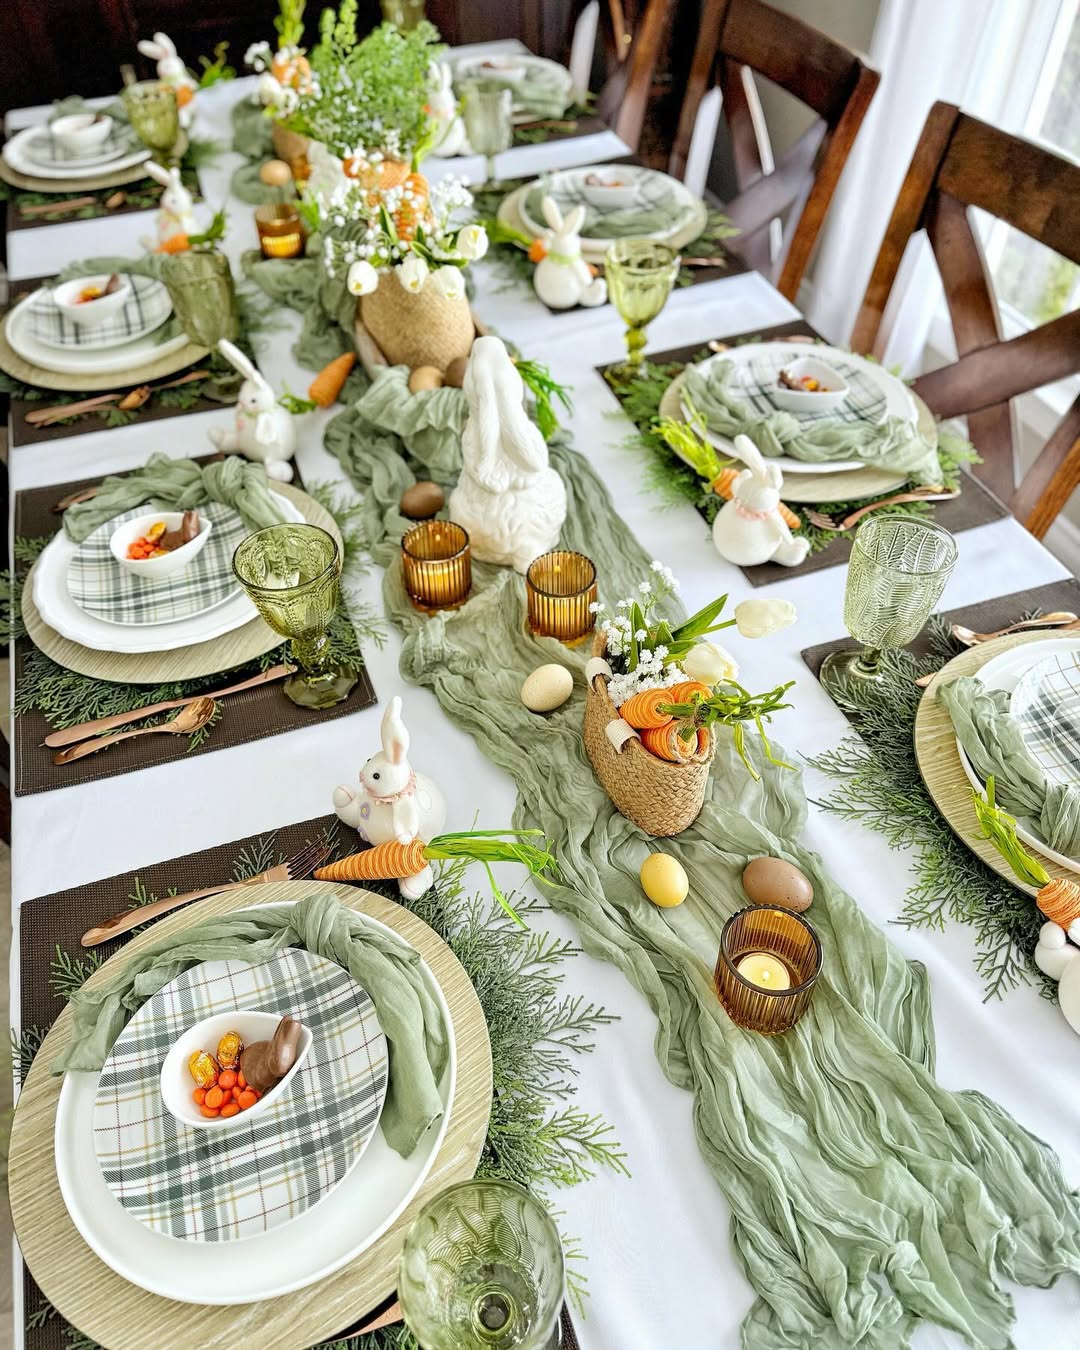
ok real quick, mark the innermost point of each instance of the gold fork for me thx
(296, 868)
(924, 494)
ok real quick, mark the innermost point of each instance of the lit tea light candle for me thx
(281, 233)
(437, 565)
(559, 587)
(767, 972)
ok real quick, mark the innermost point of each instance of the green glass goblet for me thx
(898, 570)
(291, 572)
(154, 116)
(640, 274)
(482, 1269)
(488, 109)
(203, 295)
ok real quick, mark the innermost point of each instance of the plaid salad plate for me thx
(1046, 704)
(45, 149)
(754, 379)
(660, 204)
(104, 589)
(147, 307)
(203, 1187)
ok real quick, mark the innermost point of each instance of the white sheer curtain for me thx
(963, 51)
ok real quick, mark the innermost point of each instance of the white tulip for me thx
(412, 273)
(472, 242)
(362, 278)
(449, 282)
(759, 618)
(710, 663)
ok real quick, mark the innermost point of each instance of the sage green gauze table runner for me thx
(864, 1196)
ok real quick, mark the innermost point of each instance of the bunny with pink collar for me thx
(394, 803)
(750, 529)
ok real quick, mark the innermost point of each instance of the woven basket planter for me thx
(292, 147)
(662, 798)
(416, 329)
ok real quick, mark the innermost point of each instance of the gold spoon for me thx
(187, 720)
(970, 638)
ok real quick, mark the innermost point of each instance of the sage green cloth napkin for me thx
(629, 222)
(891, 444)
(864, 1197)
(541, 93)
(180, 485)
(327, 308)
(75, 104)
(386, 967)
(252, 130)
(994, 744)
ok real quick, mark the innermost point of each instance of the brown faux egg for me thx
(771, 881)
(276, 173)
(425, 377)
(422, 501)
(454, 374)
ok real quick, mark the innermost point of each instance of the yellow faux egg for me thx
(664, 880)
(275, 173)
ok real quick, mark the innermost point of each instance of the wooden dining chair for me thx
(736, 40)
(631, 35)
(961, 163)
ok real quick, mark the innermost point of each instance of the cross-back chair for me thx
(736, 39)
(961, 163)
(631, 35)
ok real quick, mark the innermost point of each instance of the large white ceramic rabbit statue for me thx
(175, 215)
(263, 430)
(172, 71)
(394, 803)
(443, 107)
(562, 278)
(508, 497)
(1057, 957)
(749, 529)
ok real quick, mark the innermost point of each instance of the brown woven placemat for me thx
(139, 192)
(248, 716)
(558, 129)
(976, 504)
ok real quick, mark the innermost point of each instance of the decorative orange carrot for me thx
(176, 243)
(640, 709)
(1058, 898)
(665, 743)
(328, 384)
(537, 251)
(413, 205)
(724, 486)
(684, 693)
(386, 862)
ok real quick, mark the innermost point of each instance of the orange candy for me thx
(200, 1096)
(247, 1099)
(215, 1098)
(229, 1109)
(227, 1078)
(209, 1112)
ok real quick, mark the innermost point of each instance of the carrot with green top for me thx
(328, 384)
(1057, 897)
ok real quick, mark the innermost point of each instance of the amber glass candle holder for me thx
(281, 233)
(437, 564)
(560, 586)
(769, 962)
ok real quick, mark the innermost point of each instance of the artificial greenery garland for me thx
(878, 784)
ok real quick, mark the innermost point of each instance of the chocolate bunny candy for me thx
(265, 1063)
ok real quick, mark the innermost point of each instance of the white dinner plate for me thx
(15, 154)
(311, 1247)
(45, 153)
(1005, 672)
(651, 188)
(538, 68)
(84, 361)
(750, 359)
(59, 610)
(148, 306)
(1046, 704)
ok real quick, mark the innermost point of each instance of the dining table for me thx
(656, 1242)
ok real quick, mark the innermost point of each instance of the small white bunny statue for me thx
(508, 497)
(394, 803)
(1057, 957)
(562, 279)
(263, 430)
(749, 529)
(443, 107)
(172, 71)
(175, 215)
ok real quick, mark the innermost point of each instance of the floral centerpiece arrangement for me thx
(285, 74)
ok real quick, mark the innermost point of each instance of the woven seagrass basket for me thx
(292, 147)
(662, 798)
(422, 329)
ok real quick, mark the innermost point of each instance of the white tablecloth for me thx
(659, 1262)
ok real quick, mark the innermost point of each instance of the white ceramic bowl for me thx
(177, 1084)
(503, 68)
(611, 191)
(170, 564)
(833, 392)
(81, 133)
(90, 313)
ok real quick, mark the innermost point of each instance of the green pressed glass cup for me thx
(898, 570)
(292, 574)
(488, 112)
(203, 295)
(403, 14)
(640, 274)
(482, 1269)
(154, 116)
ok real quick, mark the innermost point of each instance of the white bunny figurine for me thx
(562, 279)
(1057, 957)
(443, 106)
(394, 803)
(172, 71)
(263, 429)
(175, 215)
(510, 500)
(750, 528)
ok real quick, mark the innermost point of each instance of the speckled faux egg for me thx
(772, 881)
(664, 880)
(276, 173)
(547, 688)
(425, 377)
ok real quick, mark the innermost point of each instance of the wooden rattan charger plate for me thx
(939, 760)
(28, 183)
(21, 369)
(123, 1317)
(851, 485)
(186, 663)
